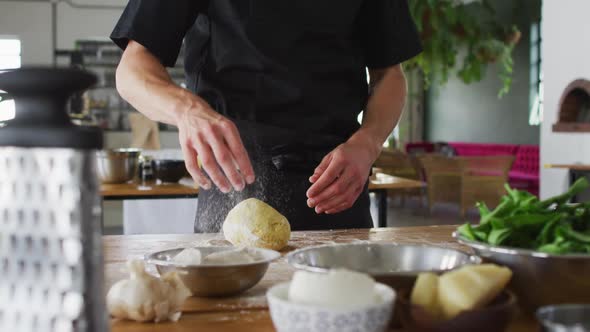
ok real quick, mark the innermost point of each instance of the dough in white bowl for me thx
(335, 289)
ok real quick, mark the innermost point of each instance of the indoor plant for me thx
(463, 36)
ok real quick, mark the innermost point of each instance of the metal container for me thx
(169, 170)
(215, 280)
(565, 318)
(392, 264)
(51, 263)
(540, 279)
(117, 165)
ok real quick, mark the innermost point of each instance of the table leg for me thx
(382, 208)
(102, 216)
(574, 175)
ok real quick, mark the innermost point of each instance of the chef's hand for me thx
(342, 174)
(215, 140)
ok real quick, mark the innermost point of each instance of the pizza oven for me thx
(574, 108)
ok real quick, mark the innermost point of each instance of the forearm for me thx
(384, 107)
(147, 86)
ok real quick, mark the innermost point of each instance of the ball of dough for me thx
(253, 223)
(335, 289)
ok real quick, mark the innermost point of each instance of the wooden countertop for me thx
(135, 190)
(575, 167)
(187, 188)
(249, 311)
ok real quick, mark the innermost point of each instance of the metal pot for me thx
(117, 165)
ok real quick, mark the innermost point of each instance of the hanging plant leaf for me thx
(448, 26)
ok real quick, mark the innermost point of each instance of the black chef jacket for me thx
(291, 74)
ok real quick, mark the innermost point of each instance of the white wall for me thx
(32, 23)
(566, 54)
(74, 23)
(473, 113)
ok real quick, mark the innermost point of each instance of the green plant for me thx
(523, 221)
(465, 37)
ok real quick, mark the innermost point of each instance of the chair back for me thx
(497, 166)
(397, 163)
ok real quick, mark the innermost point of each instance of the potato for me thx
(425, 294)
(471, 287)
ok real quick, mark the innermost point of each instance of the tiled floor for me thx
(412, 214)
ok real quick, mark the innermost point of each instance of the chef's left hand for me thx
(341, 176)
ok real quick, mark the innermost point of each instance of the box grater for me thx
(51, 265)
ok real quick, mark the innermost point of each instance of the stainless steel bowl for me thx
(391, 264)
(540, 279)
(215, 280)
(117, 165)
(565, 318)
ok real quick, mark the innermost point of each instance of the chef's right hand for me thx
(215, 140)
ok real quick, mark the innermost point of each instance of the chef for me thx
(274, 91)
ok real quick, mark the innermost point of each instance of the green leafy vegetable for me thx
(521, 220)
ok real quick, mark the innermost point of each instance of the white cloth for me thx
(159, 216)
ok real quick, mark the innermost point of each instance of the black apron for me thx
(276, 110)
(283, 163)
(290, 74)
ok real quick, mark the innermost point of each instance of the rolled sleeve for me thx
(158, 25)
(389, 33)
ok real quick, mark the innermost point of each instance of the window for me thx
(536, 80)
(10, 58)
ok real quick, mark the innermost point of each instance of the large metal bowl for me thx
(117, 165)
(391, 264)
(215, 280)
(540, 279)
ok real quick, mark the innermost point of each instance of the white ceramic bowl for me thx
(293, 317)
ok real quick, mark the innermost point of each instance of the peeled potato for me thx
(253, 223)
(471, 287)
(425, 293)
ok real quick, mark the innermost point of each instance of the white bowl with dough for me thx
(210, 279)
(288, 316)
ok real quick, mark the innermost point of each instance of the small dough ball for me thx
(253, 223)
(335, 289)
(228, 257)
(189, 256)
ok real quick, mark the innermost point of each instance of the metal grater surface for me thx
(51, 265)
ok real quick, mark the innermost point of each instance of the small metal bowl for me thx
(169, 170)
(391, 264)
(539, 279)
(565, 318)
(117, 165)
(215, 280)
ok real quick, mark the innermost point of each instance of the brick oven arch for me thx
(574, 108)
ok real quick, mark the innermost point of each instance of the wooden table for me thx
(379, 184)
(152, 190)
(249, 311)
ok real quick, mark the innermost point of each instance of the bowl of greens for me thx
(546, 243)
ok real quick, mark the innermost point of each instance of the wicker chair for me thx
(466, 180)
(400, 164)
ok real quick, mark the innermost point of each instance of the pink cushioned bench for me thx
(482, 149)
(523, 175)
